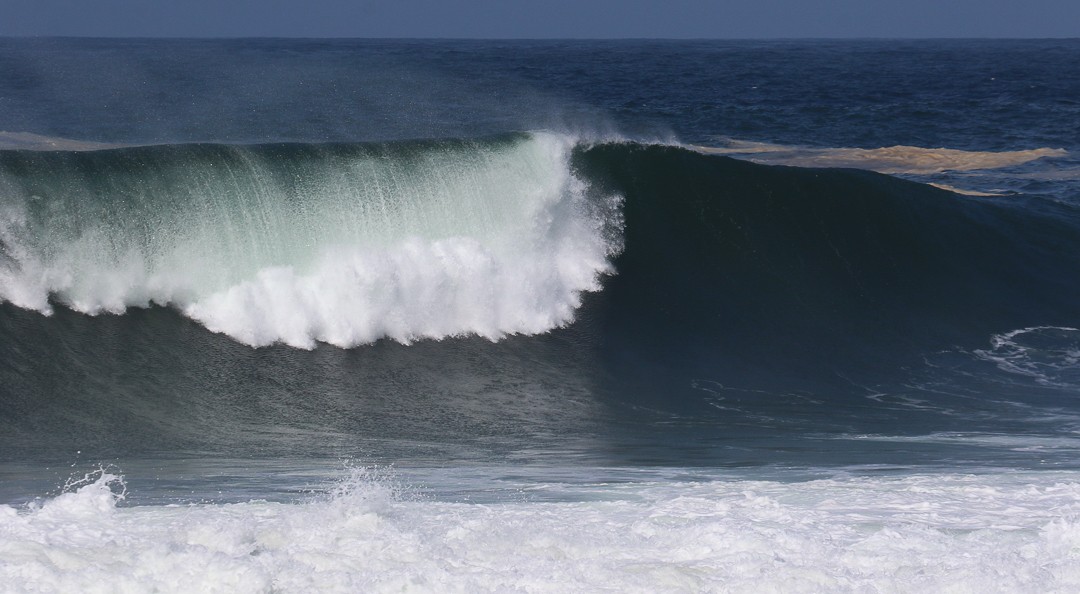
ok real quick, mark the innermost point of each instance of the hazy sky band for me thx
(509, 19)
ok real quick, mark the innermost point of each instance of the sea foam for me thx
(1049, 355)
(958, 533)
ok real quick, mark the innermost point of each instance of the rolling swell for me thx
(786, 277)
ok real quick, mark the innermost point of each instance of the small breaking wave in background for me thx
(974, 169)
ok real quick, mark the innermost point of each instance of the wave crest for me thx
(344, 244)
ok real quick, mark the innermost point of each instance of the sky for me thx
(510, 19)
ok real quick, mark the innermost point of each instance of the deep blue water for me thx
(285, 254)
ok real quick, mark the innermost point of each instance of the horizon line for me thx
(452, 38)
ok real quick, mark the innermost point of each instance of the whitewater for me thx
(960, 533)
(295, 244)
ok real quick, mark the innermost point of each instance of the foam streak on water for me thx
(990, 533)
(1047, 354)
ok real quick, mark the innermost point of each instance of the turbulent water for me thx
(344, 244)
(538, 316)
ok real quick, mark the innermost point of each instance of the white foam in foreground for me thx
(954, 533)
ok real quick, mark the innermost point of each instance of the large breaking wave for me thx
(773, 300)
(350, 243)
(344, 244)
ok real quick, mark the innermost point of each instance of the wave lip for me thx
(343, 244)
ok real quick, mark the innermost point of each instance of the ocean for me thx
(539, 316)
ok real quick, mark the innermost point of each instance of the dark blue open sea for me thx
(539, 316)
